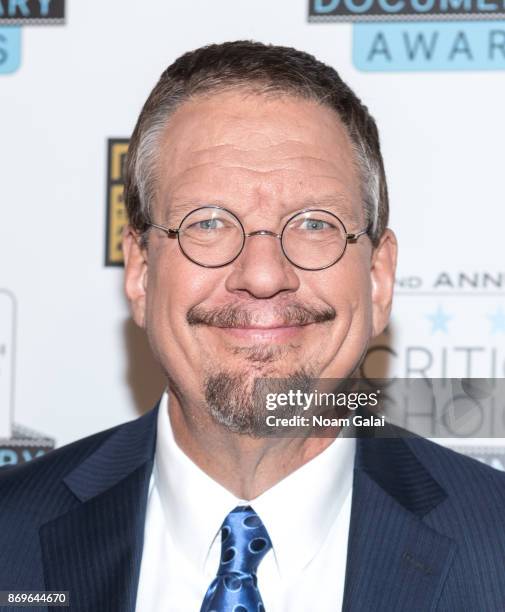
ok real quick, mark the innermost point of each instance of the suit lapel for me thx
(395, 561)
(94, 550)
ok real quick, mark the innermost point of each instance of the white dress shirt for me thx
(306, 516)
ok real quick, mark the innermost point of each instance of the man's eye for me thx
(209, 224)
(315, 224)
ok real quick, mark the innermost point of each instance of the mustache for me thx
(234, 315)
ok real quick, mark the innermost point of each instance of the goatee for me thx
(239, 404)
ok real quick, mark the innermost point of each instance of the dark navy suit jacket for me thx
(427, 527)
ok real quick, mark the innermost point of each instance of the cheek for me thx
(346, 288)
(360, 295)
(348, 291)
(172, 289)
(359, 303)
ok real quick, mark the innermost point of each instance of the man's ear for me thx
(382, 272)
(135, 273)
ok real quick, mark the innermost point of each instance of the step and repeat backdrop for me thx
(73, 77)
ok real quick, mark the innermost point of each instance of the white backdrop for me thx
(79, 365)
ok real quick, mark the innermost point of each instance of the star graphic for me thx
(497, 321)
(439, 320)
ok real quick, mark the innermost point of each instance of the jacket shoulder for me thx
(20, 483)
(463, 477)
(440, 456)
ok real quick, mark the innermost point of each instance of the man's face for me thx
(215, 330)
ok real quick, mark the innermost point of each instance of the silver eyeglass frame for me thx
(349, 236)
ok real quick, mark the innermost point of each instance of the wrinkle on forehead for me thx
(254, 124)
(284, 155)
(260, 149)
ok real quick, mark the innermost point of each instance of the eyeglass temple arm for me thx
(167, 230)
(356, 235)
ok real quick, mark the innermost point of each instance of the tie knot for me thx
(244, 541)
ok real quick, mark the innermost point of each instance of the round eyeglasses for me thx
(212, 237)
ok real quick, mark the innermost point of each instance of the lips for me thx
(275, 317)
(268, 334)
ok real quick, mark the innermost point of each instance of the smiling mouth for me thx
(274, 324)
(265, 333)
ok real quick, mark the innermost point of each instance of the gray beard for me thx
(237, 401)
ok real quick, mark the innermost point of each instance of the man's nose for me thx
(262, 269)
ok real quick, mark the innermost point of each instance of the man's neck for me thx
(245, 465)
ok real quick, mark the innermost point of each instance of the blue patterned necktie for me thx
(244, 543)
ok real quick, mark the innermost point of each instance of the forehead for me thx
(256, 150)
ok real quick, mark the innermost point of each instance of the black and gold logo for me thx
(116, 212)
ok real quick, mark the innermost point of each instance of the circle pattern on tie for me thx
(244, 543)
(225, 532)
(257, 545)
(233, 583)
(251, 521)
(228, 555)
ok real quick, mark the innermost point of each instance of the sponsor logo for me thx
(23, 446)
(423, 35)
(15, 13)
(33, 12)
(7, 374)
(450, 324)
(10, 49)
(17, 444)
(116, 212)
(404, 10)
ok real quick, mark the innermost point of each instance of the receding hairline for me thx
(247, 89)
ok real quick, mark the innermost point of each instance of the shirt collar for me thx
(194, 504)
(298, 512)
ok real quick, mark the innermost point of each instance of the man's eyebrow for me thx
(337, 203)
(176, 210)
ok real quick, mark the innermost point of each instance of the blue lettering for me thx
(18, 4)
(391, 8)
(494, 44)
(475, 45)
(420, 43)
(357, 8)
(321, 7)
(10, 59)
(482, 5)
(455, 5)
(7, 457)
(379, 47)
(463, 48)
(420, 8)
(27, 456)
(44, 7)
(4, 55)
